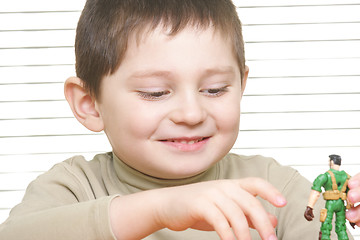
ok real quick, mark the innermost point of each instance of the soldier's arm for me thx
(314, 196)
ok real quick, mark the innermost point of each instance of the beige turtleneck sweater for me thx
(71, 201)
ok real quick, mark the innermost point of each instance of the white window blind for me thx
(302, 100)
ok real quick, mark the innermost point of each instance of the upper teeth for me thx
(188, 142)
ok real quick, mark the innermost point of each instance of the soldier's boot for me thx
(340, 225)
(325, 231)
(342, 235)
(324, 235)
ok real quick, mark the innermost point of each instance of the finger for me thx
(354, 181)
(214, 217)
(262, 188)
(260, 221)
(354, 195)
(353, 215)
(256, 214)
(240, 227)
(235, 216)
(272, 218)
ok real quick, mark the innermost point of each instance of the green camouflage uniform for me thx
(333, 206)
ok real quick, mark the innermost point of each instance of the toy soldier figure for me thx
(335, 184)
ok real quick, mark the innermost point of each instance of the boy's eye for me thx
(153, 95)
(215, 92)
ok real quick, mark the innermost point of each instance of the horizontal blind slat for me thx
(302, 32)
(302, 85)
(33, 39)
(38, 21)
(46, 56)
(271, 3)
(19, 110)
(301, 103)
(32, 92)
(54, 144)
(295, 14)
(300, 121)
(303, 50)
(18, 163)
(309, 68)
(42, 5)
(36, 74)
(304, 138)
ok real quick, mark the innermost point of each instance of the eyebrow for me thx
(208, 72)
(219, 71)
(150, 73)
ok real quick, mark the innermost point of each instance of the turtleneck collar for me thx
(140, 181)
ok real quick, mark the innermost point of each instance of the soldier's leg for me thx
(340, 224)
(326, 226)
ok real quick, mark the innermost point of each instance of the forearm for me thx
(134, 216)
(314, 196)
(86, 221)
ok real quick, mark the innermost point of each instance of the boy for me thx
(164, 80)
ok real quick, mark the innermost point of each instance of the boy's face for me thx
(172, 108)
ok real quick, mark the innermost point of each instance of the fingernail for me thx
(353, 196)
(353, 183)
(350, 214)
(281, 201)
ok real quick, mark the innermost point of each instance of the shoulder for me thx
(78, 167)
(345, 174)
(238, 166)
(323, 177)
(255, 165)
(75, 175)
(78, 164)
(320, 181)
(253, 161)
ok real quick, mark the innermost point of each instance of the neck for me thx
(335, 167)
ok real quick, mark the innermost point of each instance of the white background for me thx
(301, 104)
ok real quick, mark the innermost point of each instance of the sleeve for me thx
(57, 206)
(319, 182)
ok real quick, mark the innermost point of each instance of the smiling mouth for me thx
(185, 144)
(188, 141)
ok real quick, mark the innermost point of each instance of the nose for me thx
(188, 110)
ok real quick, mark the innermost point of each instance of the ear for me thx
(244, 80)
(83, 105)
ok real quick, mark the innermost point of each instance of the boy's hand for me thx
(221, 206)
(353, 214)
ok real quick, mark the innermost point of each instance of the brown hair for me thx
(105, 27)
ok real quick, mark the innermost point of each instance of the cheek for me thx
(231, 125)
(142, 120)
(228, 117)
(128, 131)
